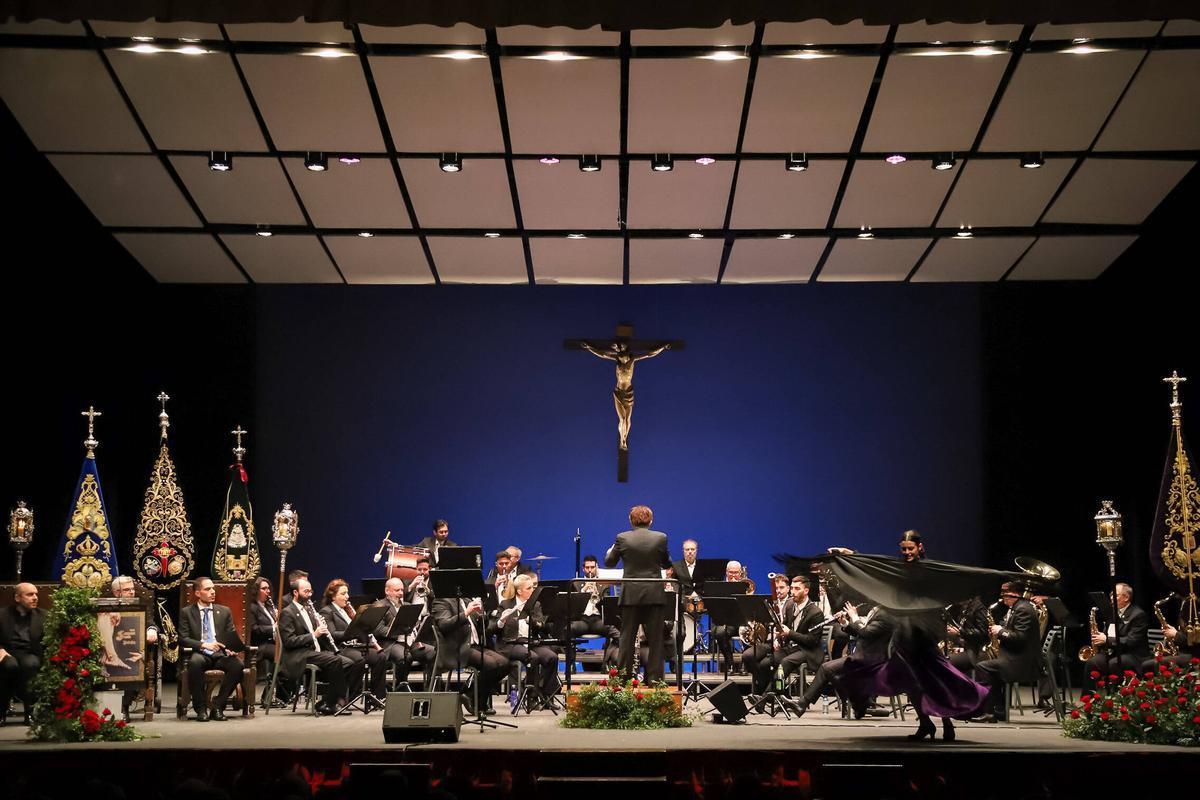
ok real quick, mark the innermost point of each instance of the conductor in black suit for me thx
(644, 553)
(207, 628)
(439, 539)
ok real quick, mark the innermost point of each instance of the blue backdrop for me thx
(795, 418)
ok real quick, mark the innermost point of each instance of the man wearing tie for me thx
(439, 539)
(644, 554)
(207, 628)
(306, 640)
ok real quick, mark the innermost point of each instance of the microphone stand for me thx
(480, 718)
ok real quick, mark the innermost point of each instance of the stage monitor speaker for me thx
(422, 717)
(727, 700)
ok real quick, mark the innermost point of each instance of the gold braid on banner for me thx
(87, 537)
(1180, 555)
(163, 553)
(237, 532)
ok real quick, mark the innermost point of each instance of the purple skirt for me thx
(933, 685)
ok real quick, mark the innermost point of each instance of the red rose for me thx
(1129, 673)
(633, 682)
(83, 673)
(603, 682)
(1195, 660)
(107, 713)
(1196, 719)
(1112, 677)
(1160, 701)
(640, 696)
(1096, 674)
(1174, 709)
(1141, 694)
(1144, 706)
(1148, 674)
(1108, 703)
(1075, 714)
(1104, 716)
(616, 687)
(612, 673)
(1151, 719)
(1085, 698)
(90, 722)
(120, 723)
(1099, 683)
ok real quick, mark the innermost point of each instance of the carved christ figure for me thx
(623, 393)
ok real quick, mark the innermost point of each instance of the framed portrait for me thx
(123, 633)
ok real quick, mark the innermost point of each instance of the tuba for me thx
(1166, 647)
(1089, 650)
(749, 583)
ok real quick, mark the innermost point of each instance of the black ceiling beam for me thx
(747, 98)
(623, 162)
(493, 49)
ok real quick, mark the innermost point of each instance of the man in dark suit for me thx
(1020, 646)
(516, 566)
(798, 644)
(21, 628)
(207, 628)
(305, 639)
(500, 574)
(873, 632)
(644, 555)
(516, 623)
(1133, 632)
(685, 568)
(460, 626)
(439, 539)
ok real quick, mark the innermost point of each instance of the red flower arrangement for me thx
(1161, 714)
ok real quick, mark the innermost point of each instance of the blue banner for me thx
(87, 556)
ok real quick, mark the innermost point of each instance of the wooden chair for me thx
(232, 595)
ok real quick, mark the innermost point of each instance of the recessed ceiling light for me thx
(865, 233)
(943, 162)
(365, 234)
(548, 160)
(576, 236)
(1085, 49)
(348, 159)
(796, 162)
(662, 162)
(450, 162)
(263, 231)
(696, 235)
(144, 47)
(556, 55)
(806, 55)
(330, 52)
(191, 50)
(315, 162)
(704, 161)
(1032, 161)
(142, 38)
(461, 55)
(491, 235)
(589, 163)
(220, 161)
(896, 158)
(724, 55)
(786, 236)
(964, 232)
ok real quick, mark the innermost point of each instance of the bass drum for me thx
(402, 563)
(690, 628)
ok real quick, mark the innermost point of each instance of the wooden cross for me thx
(239, 451)
(164, 421)
(90, 443)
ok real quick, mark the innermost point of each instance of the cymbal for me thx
(542, 558)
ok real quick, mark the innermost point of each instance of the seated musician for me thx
(516, 624)
(461, 626)
(591, 622)
(338, 613)
(799, 640)
(122, 586)
(873, 632)
(21, 627)
(207, 628)
(685, 569)
(967, 633)
(1133, 632)
(418, 587)
(263, 623)
(387, 651)
(500, 575)
(1017, 634)
(306, 639)
(515, 566)
(437, 540)
(1175, 636)
(723, 635)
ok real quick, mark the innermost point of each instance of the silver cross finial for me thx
(164, 421)
(239, 451)
(90, 443)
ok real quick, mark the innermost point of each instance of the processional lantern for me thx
(1109, 533)
(284, 530)
(20, 531)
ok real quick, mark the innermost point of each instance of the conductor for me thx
(644, 553)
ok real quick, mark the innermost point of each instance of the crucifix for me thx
(164, 421)
(624, 351)
(239, 451)
(90, 443)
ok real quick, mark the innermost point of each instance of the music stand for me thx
(568, 607)
(755, 609)
(470, 557)
(724, 611)
(360, 628)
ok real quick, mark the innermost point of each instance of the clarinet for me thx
(274, 612)
(329, 634)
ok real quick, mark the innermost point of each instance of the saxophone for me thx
(170, 637)
(1166, 647)
(992, 648)
(1089, 650)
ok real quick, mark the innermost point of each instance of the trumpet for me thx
(1089, 650)
(1166, 647)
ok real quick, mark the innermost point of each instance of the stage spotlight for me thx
(220, 161)
(1032, 161)
(316, 162)
(589, 163)
(450, 162)
(796, 162)
(662, 162)
(943, 162)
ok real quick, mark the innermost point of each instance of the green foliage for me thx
(1158, 707)
(64, 690)
(616, 704)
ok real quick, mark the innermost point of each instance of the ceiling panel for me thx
(559, 196)
(1160, 111)
(1097, 30)
(564, 106)
(724, 36)
(674, 260)
(131, 190)
(1069, 258)
(158, 30)
(1057, 101)
(689, 196)
(557, 36)
(476, 259)
(773, 260)
(189, 103)
(314, 103)
(65, 100)
(563, 260)
(42, 27)
(439, 104)
(999, 193)
(975, 259)
(477, 197)
(953, 32)
(1182, 27)
(769, 196)
(1116, 191)
(872, 259)
(688, 104)
(181, 257)
(807, 104)
(282, 259)
(883, 195)
(254, 192)
(460, 34)
(933, 102)
(297, 31)
(362, 195)
(818, 31)
(380, 259)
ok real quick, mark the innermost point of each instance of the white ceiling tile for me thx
(563, 107)
(557, 36)
(460, 34)
(802, 105)
(981, 258)
(724, 36)
(562, 260)
(872, 259)
(1182, 27)
(380, 259)
(1116, 191)
(1057, 101)
(477, 197)
(439, 104)
(674, 260)
(314, 103)
(181, 257)
(132, 190)
(818, 31)
(954, 32)
(911, 114)
(297, 31)
(158, 30)
(65, 100)
(689, 196)
(1160, 111)
(42, 27)
(189, 103)
(1097, 30)
(999, 193)
(688, 105)
(282, 259)
(769, 196)
(476, 259)
(773, 260)
(254, 192)
(1069, 258)
(882, 195)
(362, 195)
(559, 196)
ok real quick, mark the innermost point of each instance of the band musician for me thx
(517, 624)
(1017, 636)
(306, 639)
(1132, 630)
